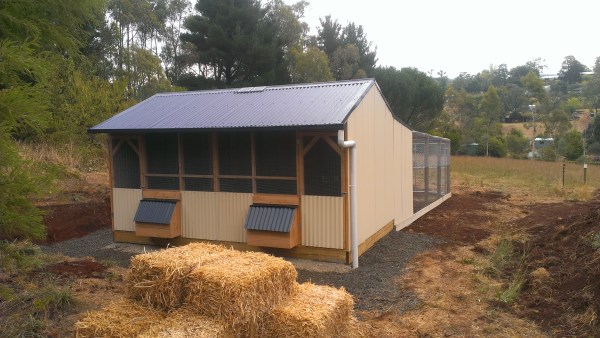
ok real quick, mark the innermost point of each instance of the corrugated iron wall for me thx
(322, 221)
(215, 216)
(125, 204)
(371, 125)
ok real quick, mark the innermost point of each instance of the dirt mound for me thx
(566, 301)
(77, 219)
(80, 268)
(460, 218)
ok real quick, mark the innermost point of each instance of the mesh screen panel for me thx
(126, 167)
(431, 160)
(275, 153)
(197, 156)
(164, 183)
(285, 187)
(235, 154)
(322, 170)
(161, 154)
(235, 185)
(198, 184)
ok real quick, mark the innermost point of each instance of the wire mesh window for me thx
(126, 164)
(162, 154)
(235, 185)
(275, 154)
(431, 168)
(270, 186)
(198, 183)
(235, 154)
(197, 155)
(163, 182)
(322, 169)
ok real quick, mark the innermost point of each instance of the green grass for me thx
(539, 180)
(31, 298)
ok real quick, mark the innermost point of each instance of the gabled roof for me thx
(303, 106)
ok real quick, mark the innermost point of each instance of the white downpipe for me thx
(353, 206)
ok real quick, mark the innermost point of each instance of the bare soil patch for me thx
(83, 268)
(77, 219)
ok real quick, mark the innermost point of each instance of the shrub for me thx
(19, 181)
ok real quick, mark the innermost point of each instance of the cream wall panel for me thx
(125, 204)
(232, 209)
(371, 125)
(322, 221)
(403, 199)
(200, 215)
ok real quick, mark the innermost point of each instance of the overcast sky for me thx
(468, 35)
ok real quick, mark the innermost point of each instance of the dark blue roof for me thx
(317, 105)
(155, 211)
(268, 218)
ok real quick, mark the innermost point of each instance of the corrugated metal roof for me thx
(155, 211)
(292, 106)
(269, 218)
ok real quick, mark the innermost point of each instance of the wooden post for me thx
(426, 178)
(215, 159)
(439, 168)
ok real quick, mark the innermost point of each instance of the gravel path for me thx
(374, 284)
(98, 244)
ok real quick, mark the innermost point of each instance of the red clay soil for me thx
(459, 218)
(66, 221)
(566, 301)
(81, 269)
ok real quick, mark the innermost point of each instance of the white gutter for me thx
(353, 219)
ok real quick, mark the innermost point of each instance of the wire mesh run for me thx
(431, 169)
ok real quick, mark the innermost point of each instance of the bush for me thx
(496, 148)
(571, 145)
(517, 144)
(19, 182)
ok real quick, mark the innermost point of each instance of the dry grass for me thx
(532, 180)
(455, 302)
(313, 311)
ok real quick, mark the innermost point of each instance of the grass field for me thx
(539, 180)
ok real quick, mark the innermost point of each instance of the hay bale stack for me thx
(186, 323)
(158, 278)
(122, 318)
(313, 311)
(240, 287)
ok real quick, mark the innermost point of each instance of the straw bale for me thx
(239, 287)
(186, 323)
(158, 278)
(313, 311)
(121, 318)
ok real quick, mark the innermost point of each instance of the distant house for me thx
(270, 168)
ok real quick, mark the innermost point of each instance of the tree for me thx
(236, 40)
(345, 63)
(490, 105)
(329, 35)
(415, 98)
(516, 144)
(172, 51)
(356, 36)
(591, 90)
(34, 37)
(512, 98)
(571, 70)
(557, 123)
(309, 66)
(571, 145)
